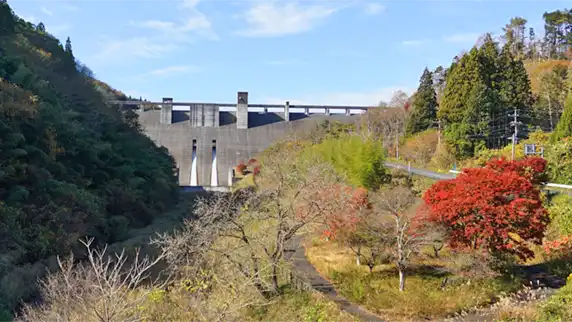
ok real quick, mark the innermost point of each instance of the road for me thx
(421, 172)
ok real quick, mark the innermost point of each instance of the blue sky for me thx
(318, 52)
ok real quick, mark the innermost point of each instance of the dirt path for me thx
(307, 271)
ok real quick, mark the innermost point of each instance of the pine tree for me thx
(460, 79)
(424, 106)
(514, 87)
(41, 27)
(488, 62)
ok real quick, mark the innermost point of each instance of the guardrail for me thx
(445, 176)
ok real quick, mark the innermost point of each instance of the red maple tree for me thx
(532, 168)
(493, 207)
(343, 205)
(346, 218)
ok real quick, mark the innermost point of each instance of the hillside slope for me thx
(536, 68)
(70, 165)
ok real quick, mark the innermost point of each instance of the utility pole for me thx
(514, 123)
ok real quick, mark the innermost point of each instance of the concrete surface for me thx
(233, 145)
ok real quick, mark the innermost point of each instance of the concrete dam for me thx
(208, 143)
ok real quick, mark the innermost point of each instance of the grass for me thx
(423, 297)
(294, 306)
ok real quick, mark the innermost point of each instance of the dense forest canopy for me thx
(476, 95)
(70, 165)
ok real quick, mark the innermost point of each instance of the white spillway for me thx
(194, 167)
(214, 175)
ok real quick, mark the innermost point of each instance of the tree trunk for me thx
(401, 280)
(550, 112)
(275, 278)
(436, 251)
(358, 254)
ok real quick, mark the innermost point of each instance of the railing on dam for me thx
(207, 114)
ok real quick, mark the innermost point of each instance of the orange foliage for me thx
(344, 217)
(536, 68)
(241, 168)
(421, 147)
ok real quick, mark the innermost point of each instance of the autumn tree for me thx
(498, 210)
(387, 124)
(345, 225)
(399, 99)
(252, 229)
(424, 113)
(393, 224)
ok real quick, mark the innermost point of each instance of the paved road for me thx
(421, 172)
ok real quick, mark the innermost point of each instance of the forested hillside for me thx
(467, 104)
(70, 165)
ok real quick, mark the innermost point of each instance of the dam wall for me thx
(232, 143)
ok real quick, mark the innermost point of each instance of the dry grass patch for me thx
(423, 297)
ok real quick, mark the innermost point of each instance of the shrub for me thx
(489, 208)
(421, 147)
(558, 307)
(359, 160)
(559, 157)
(560, 212)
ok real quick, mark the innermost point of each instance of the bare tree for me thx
(101, 289)
(394, 205)
(385, 123)
(399, 99)
(252, 229)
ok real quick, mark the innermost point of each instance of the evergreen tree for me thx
(514, 86)
(460, 79)
(488, 57)
(41, 27)
(68, 47)
(7, 20)
(564, 127)
(424, 106)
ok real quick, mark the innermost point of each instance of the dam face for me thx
(205, 155)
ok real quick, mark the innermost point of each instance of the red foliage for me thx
(490, 207)
(406, 106)
(559, 247)
(256, 171)
(346, 217)
(252, 161)
(531, 168)
(241, 168)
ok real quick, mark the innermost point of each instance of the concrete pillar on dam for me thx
(287, 112)
(307, 111)
(348, 112)
(211, 116)
(327, 111)
(196, 115)
(242, 111)
(167, 110)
